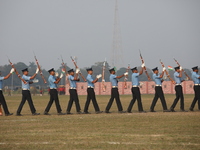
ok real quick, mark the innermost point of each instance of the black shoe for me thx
(19, 114)
(35, 114)
(172, 110)
(142, 111)
(9, 114)
(98, 112)
(128, 111)
(183, 110)
(60, 113)
(68, 113)
(79, 112)
(191, 109)
(107, 111)
(122, 111)
(166, 110)
(46, 113)
(86, 112)
(152, 110)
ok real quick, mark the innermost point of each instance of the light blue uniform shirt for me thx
(27, 79)
(1, 82)
(157, 79)
(135, 79)
(89, 80)
(177, 78)
(113, 80)
(51, 80)
(72, 81)
(195, 78)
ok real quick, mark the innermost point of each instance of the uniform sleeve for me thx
(52, 80)
(197, 76)
(177, 75)
(27, 78)
(137, 75)
(114, 76)
(71, 78)
(157, 76)
(89, 78)
(1, 78)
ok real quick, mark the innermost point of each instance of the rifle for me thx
(167, 72)
(103, 76)
(64, 68)
(126, 77)
(16, 71)
(182, 69)
(77, 67)
(39, 69)
(145, 69)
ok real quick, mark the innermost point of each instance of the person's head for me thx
(177, 69)
(134, 70)
(89, 71)
(51, 72)
(71, 72)
(112, 71)
(155, 70)
(25, 71)
(195, 69)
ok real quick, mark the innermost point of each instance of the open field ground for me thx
(135, 131)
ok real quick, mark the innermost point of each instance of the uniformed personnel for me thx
(136, 90)
(73, 92)
(178, 88)
(196, 80)
(114, 91)
(2, 99)
(158, 90)
(26, 95)
(53, 81)
(90, 92)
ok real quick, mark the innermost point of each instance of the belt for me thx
(53, 88)
(72, 88)
(25, 89)
(196, 84)
(114, 86)
(158, 85)
(178, 84)
(135, 86)
(90, 87)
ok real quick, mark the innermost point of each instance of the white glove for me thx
(163, 69)
(77, 70)
(61, 75)
(126, 73)
(35, 81)
(37, 70)
(12, 70)
(99, 76)
(143, 65)
(181, 68)
(103, 80)
(56, 74)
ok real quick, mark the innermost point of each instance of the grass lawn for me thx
(135, 131)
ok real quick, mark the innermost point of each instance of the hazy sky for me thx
(84, 28)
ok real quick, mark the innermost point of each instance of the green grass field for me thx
(135, 131)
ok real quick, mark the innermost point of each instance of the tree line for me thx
(97, 69)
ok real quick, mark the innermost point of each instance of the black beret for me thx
(176, 68)
(112, 69)
(195, 68)
(71, 70)
(26, 69)
(154, 69)
(89, 69)
(52, 69)
(135, 68)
